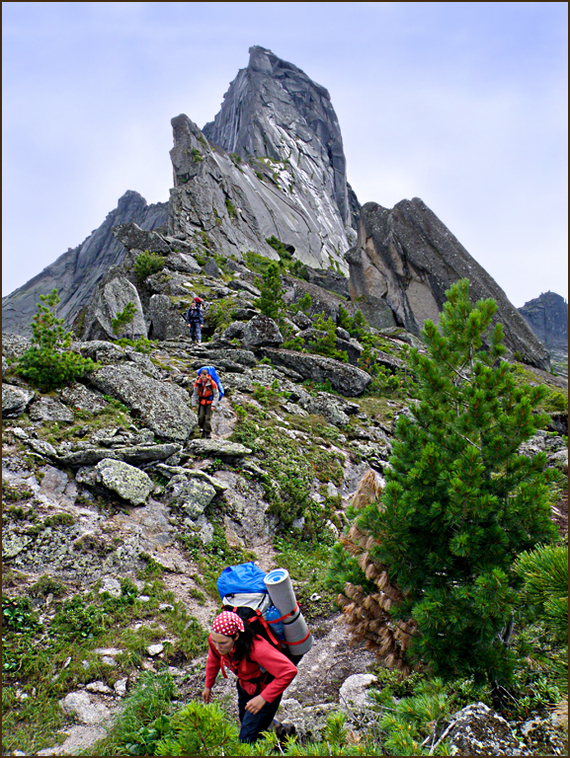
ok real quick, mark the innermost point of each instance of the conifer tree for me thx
(460, 502)
(271, 301)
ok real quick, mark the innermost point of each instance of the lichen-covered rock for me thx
(15, 400)
(128, 482)
(167, 322)
(164, 407)
(261, 330)
(190, 494)
(545, 736)
(344, 378)
(354, 691)
(183, 262)
(48, 409)
(477, 730)
(215, 448)
(78, 396)
(111, 298)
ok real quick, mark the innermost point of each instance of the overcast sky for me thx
(460, 104)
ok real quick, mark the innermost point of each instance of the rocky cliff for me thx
(404, 261)
(547, 316)
(76, 272)
(270, 165)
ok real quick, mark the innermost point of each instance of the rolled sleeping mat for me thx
(298, 637)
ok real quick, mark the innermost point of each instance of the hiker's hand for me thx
(255, 704)
(207, 694)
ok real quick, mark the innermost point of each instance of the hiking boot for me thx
(206, 435)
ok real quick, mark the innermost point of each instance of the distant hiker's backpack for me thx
(242, 590)
(214, 374)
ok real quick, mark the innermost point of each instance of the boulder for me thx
(163, 407)
(110, 299)
(128, 482)
(217, 448)
(135, 455)
(183, 262)
(210, 268)
(167, 322)
(353, 692)
(190, 494)
(48, 409)
(405, 260)
(78, 396)
(242, 286)
(477, 730)
(344, 378)
(15, 400)
(261, 330)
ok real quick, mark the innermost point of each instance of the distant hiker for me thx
(263, 672)
(195, 319)
(205, 397)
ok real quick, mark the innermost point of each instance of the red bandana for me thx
(227, 623)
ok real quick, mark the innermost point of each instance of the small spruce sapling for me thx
(49, 363)
(271, 301)
(460, 502)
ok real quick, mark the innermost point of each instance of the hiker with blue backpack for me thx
(205, 397)
(195, 319)
(263, 672)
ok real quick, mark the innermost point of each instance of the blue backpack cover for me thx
(214, 374)
(247, 577)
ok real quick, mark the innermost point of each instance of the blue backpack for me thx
(214, 374)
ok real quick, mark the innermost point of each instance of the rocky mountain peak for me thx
(547, 316)
(273, 109)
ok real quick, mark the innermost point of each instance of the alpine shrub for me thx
(49, 363)
(460, 502)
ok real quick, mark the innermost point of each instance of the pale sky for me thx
(461, 104)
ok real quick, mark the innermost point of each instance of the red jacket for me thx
(262, 653)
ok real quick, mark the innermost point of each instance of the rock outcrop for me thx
(76, 272)
(404, 261)
(547, 316)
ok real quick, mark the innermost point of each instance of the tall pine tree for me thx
(460, 502)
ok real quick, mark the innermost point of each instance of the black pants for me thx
(205, 417)
(252, 724)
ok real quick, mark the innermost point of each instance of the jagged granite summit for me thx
(547, 316)
(274, 109)
(76, 272)
(406, 259)
(272, 166)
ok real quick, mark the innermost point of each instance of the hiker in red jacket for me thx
(263, 672)
(205, 396)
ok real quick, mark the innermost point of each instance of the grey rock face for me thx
(190, 494)
(78, 396)
(406, 259)
(164, 407)
(110, 300)
(76, 272)
(48, 409)
(166, 320)
(261, 330)
(292, 184)
(15, 400)
(547, 316)
(344, 378)
(128, 482)
(274, 109)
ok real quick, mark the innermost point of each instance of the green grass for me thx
(47, 661)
